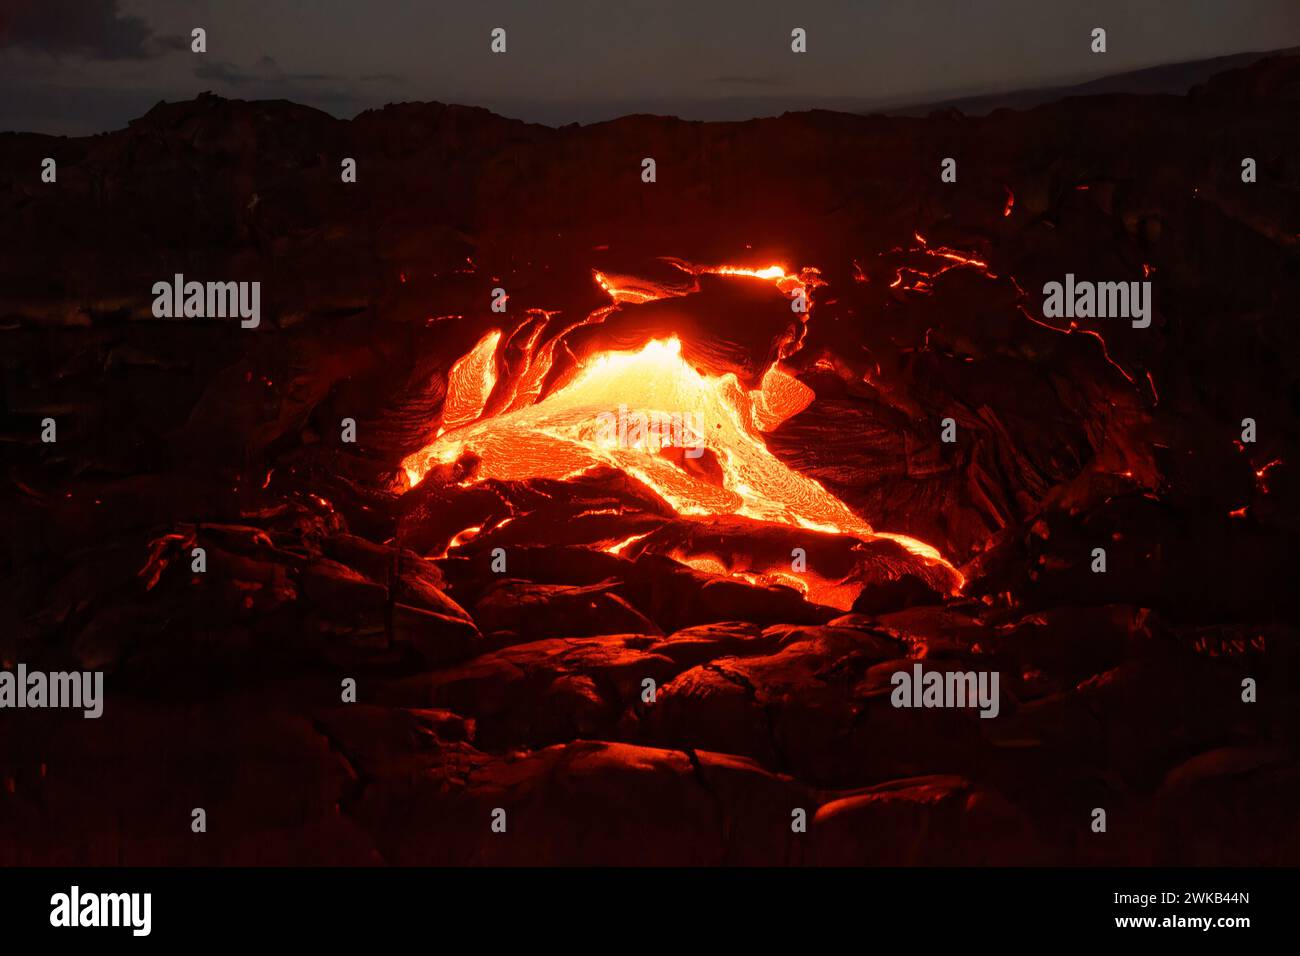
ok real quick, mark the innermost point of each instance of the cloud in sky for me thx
(91, 29)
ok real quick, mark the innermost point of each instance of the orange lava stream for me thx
(718, 423)
(470, 382)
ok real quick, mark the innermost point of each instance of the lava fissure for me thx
(717, 465)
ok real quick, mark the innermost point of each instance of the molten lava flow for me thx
(470, 382)
(692, 437)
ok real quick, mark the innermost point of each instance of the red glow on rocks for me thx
(1261, 474)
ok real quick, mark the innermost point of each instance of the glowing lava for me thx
(725, 468)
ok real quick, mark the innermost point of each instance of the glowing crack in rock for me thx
(560, 436)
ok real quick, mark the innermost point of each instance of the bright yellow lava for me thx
(574, 429)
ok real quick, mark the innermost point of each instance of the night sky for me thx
(84, 66)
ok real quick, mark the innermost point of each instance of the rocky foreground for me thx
(525, 689)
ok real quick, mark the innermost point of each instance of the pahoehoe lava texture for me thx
(524, 689)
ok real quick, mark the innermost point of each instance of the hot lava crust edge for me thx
(523, 690)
